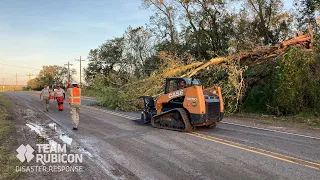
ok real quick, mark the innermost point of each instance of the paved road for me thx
(123, 148)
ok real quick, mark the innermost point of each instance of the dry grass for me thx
(8, 160)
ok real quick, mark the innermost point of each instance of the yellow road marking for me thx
(236, 145)
(211, 137)
(263, 152)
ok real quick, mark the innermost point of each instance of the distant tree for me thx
(138, 48)
(164, 20)
(207, 27)
(52, 75)
(245, 36)
(33, 84)
(106, 60)
(307, 10)
(111, 54)
(269, 21)
(95, 66)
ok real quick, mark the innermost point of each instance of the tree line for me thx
(197, 30)
(201, 28)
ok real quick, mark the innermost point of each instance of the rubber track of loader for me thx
(188, 127)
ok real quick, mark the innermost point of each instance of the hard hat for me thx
(74, 82)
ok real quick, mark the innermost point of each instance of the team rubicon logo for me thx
(25, 153)
(48, 158)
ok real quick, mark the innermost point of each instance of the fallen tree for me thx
(237, 74)
(259, 54)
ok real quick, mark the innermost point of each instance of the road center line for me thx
(271, 130)
(273, 155)
(258, 149)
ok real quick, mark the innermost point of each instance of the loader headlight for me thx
(194, 104)
(214, 92)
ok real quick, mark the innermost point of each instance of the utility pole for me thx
(29, 75)
(16, 79)
(69, 76)
(80, 69)
(2, 84)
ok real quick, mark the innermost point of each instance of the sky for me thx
(53, 32)
(36, 33)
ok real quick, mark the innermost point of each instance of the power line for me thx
(19, 66)
(7, 73)
(16, 77)
(12, 74)
(9, 78)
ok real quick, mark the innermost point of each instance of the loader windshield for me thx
(192, 82)
(173, 84)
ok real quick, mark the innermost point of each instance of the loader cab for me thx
(173, 84)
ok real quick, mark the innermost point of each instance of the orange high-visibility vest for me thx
(74, 96)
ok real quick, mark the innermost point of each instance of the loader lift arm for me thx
(149, 109)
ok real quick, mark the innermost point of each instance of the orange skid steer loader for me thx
(184, 106)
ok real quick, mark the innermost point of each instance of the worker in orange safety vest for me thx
(74, 100)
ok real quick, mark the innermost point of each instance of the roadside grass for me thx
(90, 93)
(300, 120)
(8, 160)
